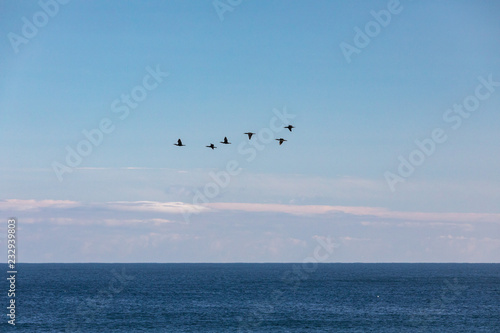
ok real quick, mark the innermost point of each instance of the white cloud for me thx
(155, 206)
(155, 210)
(117, 222)
(133, 231)
(26, 205)
(150, 206)
(358, 211)
(453, 237)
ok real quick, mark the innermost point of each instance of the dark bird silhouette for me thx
(281, 140)
(249, 135)
(289, 128)
(211, 146)
(225, 141)
(179, 143)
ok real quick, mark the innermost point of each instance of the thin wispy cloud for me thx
(225, 232)
(161, 209)
(358, 211)
(154, 206)
(31, 205)
(121, 168)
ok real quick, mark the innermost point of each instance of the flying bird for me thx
(289, 128)
(249, 135)
(281, 140)
(179, 143)
(225, 141)
(211, 146)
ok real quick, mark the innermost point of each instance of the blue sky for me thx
(233, 72)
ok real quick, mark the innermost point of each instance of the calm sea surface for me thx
(255, 298)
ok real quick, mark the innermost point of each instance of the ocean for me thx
(255, 298)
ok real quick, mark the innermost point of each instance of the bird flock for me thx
(226, 142)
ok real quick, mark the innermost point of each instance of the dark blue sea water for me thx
(255, 298)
